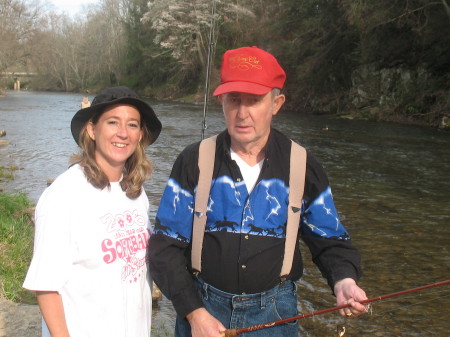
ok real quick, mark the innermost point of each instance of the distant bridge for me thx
(16, 76)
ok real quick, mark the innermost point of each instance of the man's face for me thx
(249, 116)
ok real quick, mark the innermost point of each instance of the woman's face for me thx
(116, 134)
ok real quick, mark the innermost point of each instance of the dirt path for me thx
(19, 320)
(24, 320)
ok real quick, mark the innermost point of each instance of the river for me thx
(390, 183)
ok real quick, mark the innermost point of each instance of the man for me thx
(240, 283)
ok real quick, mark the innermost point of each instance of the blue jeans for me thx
(242, 311)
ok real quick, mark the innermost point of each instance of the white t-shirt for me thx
(90, 246)
(249, 173)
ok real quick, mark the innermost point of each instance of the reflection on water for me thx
(390, 184)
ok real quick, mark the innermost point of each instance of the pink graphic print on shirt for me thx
(128, 243)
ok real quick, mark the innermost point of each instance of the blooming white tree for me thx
(182, 27)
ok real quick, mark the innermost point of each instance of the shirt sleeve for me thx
(49, 268)
(322, 231)
(168, 249)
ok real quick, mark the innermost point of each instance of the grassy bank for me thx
(7, 173)
(16, 246)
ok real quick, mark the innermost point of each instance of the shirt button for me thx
(246, 237)
(244, 266)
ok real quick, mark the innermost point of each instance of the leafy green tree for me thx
(160, 47)
(408, 35)
(319, 46)
(149, 67)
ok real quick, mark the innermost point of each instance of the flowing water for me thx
(391, 185)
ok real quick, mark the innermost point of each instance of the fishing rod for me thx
(236, 332)
(208, 65)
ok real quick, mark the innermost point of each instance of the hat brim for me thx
(82, 116)
(246, 87)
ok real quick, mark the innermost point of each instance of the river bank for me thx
(19, 320)
(390, 184)
(24, 320)
(16, 232)
(372, 113)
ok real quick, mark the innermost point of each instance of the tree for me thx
(181, 30)
(108, 26)
(19, 22)
(85, 51)
(147, 65)
(319, 45)
(411, 37)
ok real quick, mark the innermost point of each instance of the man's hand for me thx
(348, 292)
(203, 324)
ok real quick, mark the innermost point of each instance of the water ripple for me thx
(390, 184)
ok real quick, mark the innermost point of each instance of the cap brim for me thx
(246, 87)
(82, 116)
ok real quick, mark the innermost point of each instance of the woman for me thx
(89, 267)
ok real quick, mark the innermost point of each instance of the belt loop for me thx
(205, 291)
(263, 300)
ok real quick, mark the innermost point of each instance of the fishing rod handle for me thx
(229, 333)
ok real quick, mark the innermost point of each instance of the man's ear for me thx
(278, 103)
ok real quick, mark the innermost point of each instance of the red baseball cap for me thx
(250, 70)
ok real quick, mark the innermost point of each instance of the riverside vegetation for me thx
(16, 241)
(382, 60)
(16, 246)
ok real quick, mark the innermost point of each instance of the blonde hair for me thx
(138, 166)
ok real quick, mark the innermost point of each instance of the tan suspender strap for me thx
(296, 188)
(297, 176)
(206, 157)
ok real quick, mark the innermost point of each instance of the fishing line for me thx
(404, 307)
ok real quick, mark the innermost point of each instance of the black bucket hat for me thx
(110, 97)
